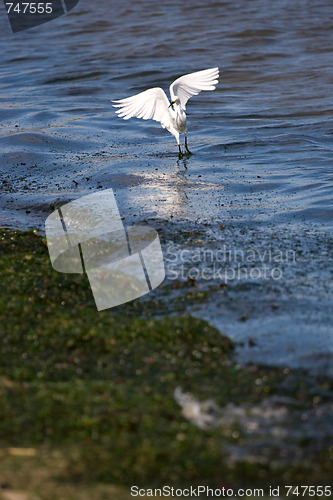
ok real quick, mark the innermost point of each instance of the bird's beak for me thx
(173, 102)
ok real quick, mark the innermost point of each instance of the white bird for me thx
(153, 104)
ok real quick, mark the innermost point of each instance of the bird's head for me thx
(173, 102)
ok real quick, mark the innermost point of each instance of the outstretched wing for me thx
(152, 104)
(188, 85)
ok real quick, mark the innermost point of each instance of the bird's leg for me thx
(186, 148)
(176, 136)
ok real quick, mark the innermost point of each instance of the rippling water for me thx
(262, 141)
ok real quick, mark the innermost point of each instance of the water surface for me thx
(262, 141)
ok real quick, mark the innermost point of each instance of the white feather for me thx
(188, 85)
(153, 104)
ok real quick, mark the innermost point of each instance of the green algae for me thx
(98, 387)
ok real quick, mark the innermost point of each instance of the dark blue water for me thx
(262, 141)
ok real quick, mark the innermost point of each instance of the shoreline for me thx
(61, 362)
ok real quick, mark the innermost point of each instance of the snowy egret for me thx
(153, 104)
